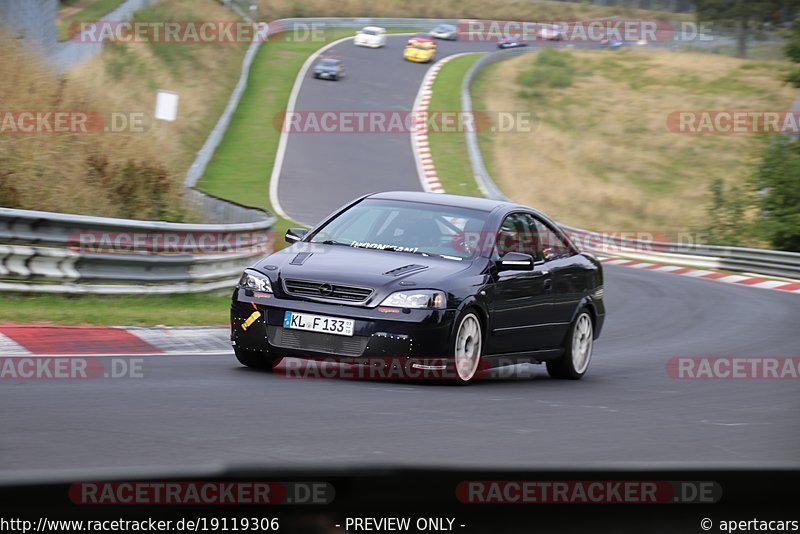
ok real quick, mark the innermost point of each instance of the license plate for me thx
(318, 323)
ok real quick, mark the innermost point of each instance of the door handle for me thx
(548, 285)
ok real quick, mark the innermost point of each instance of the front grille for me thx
(316, 341)
(324, 290)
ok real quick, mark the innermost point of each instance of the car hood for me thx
(382, 270)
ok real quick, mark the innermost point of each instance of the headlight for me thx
(255, 281)
(416, 299)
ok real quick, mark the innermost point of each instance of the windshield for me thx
(405, 227)
(369, 32)
(328, 63)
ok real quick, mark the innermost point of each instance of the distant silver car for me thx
(448, 32)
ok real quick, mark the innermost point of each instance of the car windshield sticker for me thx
(383, 246)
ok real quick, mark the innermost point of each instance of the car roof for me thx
(476, 203)
(448, 26)
(372, 28)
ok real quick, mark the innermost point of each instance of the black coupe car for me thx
(438, 282)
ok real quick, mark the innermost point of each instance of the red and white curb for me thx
(50, 340)
(419, 134)
(717, 276)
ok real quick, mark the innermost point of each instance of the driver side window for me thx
(518, 233)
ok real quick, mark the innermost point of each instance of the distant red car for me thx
(422, 38)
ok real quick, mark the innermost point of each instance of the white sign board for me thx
(166, 106)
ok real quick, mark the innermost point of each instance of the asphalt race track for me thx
(323, 171)
(191, 410)
(208, 410)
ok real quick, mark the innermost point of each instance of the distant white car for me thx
(371, 36)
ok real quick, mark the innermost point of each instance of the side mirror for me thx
(515, 261)
(293, 235)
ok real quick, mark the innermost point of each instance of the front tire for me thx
(256, 359)
(467, 349)
(572, 365)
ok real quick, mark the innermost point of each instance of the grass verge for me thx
(167, 310)
(135, 172)
(601, 155)
(83, 11)
(448, 148)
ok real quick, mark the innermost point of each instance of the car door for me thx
(569, 277)
(522, 300)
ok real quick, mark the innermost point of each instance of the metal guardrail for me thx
(760, 261)
(51, 252)
(749, 260)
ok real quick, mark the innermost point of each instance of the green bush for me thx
(551, 68)
(777, 181)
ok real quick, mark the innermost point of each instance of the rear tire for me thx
(256, 359)
(572, 365)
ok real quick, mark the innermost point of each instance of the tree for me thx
(792, 51)
(778, 181)
(729, 221)
(744, 16)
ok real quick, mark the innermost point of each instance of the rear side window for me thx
(549, 239)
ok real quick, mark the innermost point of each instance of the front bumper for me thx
(417, 334)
